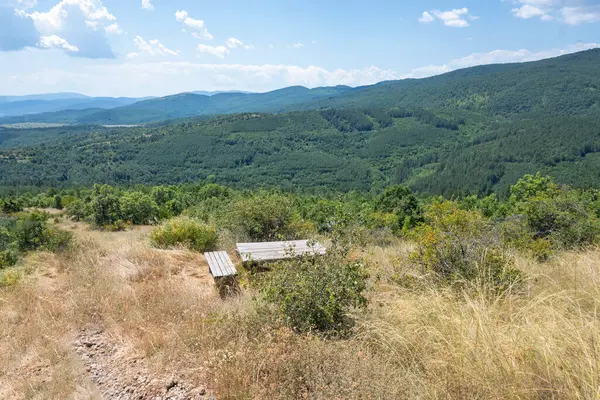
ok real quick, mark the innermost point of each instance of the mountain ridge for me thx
(537, 86)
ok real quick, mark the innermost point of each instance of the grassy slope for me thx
(157, 307)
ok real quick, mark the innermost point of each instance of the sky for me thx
(138, 48)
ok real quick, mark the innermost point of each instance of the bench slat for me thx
(278, 250)
(220, 264)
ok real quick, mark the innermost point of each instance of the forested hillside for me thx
(329, 150)
(471, 131)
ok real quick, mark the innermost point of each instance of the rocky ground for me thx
(117, 374)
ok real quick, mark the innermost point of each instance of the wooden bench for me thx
(270, 251)
(220, 264)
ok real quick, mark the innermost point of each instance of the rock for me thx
(171, 384)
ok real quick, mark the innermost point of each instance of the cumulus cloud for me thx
(82, 23)
(217, 51)
(17, 30)
(147, 5)
(233, 43)
(426, 17)
(571, 12)
(151, 48)
(56, 42)
(456, 18)
(195, 24)
(114, 29)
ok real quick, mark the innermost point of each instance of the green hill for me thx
(471, 131)
(568, 85)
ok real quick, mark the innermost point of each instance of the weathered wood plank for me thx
(220, 264)
(269, 251)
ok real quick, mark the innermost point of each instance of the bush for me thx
(6, 238)
(78, 210)
(8, 258)
(458, 245)
(565, 219)
(559, 216)
(402, 202)
(186, 232)
(32, 233)
(265, 217)
(10, 206)
(316, 293)
(105, 206)
(139, 208)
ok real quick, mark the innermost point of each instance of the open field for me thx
(113, 318)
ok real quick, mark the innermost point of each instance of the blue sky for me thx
(160, 47)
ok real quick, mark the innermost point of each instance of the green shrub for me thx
(400, 201)
(10, 206)
(33, 233)
(8, 258)
(456, 245)
(78, 210)
(566, 219)
(316, 294)
(530, 186)
(139, 208)
(559, 216)
(6, 238)
(30, 231)
(58, 204)
(105, 206)
(264, 217)
(186, 232)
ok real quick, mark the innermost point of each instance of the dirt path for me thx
(116, 370)
(118, 373)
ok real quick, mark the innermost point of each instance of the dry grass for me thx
(412, 343)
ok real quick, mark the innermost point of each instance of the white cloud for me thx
(233, 43)
(56, 42)
(26, 3)
(114, 29)
(528, 11)
(93, 11)
(571, 12)
(497, 57)
(296, 45)
(426, 17)
(162, 78)
(456, 18)
(147, 5)
(82, 23)
(580, 15)
(217, 51)
(151, 48)
(195, 24)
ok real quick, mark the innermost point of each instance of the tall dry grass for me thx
(422, 341)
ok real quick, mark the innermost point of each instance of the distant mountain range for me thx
(15, 106)
(175, 106)
(568, 84)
